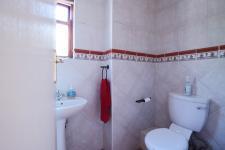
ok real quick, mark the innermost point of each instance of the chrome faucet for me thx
(59, 95)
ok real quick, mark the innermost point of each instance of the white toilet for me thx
(187, 113)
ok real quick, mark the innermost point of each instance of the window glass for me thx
(64, 30)
(62, 13)
(62, 39)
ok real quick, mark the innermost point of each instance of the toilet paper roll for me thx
(147, 99)
(144, 100)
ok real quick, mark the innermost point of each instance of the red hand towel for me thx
(105, 101)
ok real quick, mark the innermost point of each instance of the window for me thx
(64, 29)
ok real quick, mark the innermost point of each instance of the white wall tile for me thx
(170, 77)
(85, 77)
(131, 81)
(154, 27)
(91, 24)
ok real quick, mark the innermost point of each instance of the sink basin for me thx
(69, 107)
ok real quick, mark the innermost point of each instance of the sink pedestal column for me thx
(60, 125)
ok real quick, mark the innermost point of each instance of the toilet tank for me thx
(189, 112)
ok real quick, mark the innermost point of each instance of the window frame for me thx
(69, 23)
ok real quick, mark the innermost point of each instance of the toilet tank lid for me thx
(193, 99)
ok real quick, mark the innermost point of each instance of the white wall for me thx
(154, 26)
(92, 32)
(132, 29)
(84, 131)
(131, 81)
(27, 109)
(209, 84)
(91, 24)
(133, 25)
(189, 24)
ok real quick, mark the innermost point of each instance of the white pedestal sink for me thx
(64, 109)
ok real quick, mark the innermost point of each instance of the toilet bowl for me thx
(174, 138)
(188, 114)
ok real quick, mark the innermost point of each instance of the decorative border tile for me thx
(207, 53)
(185, 55)
(170, 57)
(90, 55)
(221, 52)
(81, 56)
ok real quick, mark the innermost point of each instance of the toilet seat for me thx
(165, 139)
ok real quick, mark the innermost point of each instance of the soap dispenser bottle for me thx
(188, 86)
(71, 92)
